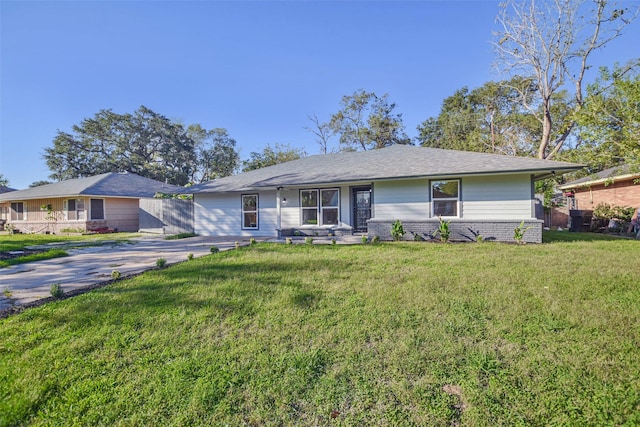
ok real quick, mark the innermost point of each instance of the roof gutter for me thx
(600, 181)
(543, 174)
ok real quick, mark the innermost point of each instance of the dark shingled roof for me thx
(611, 173)
(394, 162)
(5, 189)
(112, 184)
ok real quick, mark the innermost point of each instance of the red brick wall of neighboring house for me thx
(621, 193)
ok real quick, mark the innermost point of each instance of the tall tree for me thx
(270, 156)
(216, 153)
(145, 143)
(551, 42)
(323, 132)
(609, 122)
(367, 121)
(3, 180)
(39, 183)
(486, 119)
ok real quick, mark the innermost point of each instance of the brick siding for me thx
(620, 193)
(461, 230)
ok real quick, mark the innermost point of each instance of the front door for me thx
(361, 197)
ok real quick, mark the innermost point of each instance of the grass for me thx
(388, 334)
(180, 236)
(18, 242)
(53, 253)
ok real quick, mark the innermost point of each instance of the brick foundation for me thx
(461, 230)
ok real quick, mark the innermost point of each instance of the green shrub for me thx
(375, 239)
(56, 290)
(252, 241)
(444, 230)
(608, 212)
(397, 230)
(214, 249)
(308, 240)
(417, 237)
(7, 292)
(518, 232)
(72, 230)
(115, 274)
(189, 256)
(161, 262)
(333, 241)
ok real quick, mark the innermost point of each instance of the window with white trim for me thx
(17, 211)
(249, 211)
(74, 209)
(445, 198)
(320, 207)
(97, 209)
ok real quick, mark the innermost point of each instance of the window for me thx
(320, 207)
(329, 206)
(444, 198)
(17, 211)
(249, 211)
(74, 209)
(309, 202)
(97, 209)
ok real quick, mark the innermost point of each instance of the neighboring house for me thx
(365, 192)
(108, 201)
(616, 186)
(4, 207)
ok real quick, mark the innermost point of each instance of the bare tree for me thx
(551, 41)
(322, 131)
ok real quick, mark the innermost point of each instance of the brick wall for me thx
(461, 230)
(620, 193)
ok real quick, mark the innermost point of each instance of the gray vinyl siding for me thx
(220, 214)
(497, 197)
(401, 199)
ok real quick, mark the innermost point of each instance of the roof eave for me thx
(600, 181)
(538, 174)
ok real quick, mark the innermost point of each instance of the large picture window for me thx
(249, 211)
(445, 196)
(17, 211)
(320, 207)
(97, 209)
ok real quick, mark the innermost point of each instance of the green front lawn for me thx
(390, 334)
(18, 242)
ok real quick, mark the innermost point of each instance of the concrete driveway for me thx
(89, 266)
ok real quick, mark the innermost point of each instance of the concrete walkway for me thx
(89, 266)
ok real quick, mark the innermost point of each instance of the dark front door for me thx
(361, 208)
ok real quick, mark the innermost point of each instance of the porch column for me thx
(278, 213)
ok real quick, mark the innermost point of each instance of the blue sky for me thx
(257, 69)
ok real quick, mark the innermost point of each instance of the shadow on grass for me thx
(550, 236)
(224, 288)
